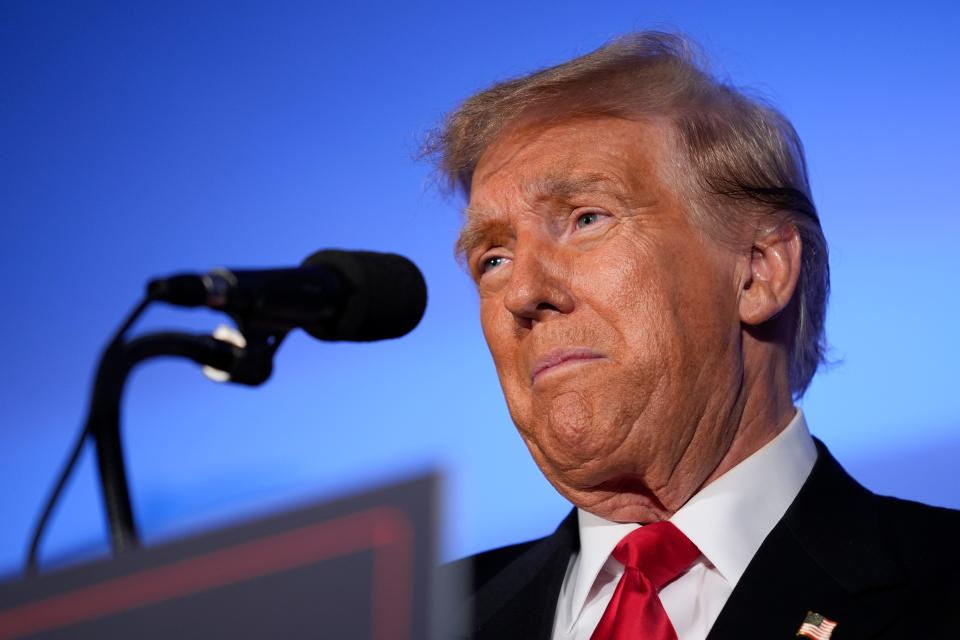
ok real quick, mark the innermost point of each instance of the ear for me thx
(774, 269)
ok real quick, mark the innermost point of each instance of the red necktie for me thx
(652, 556)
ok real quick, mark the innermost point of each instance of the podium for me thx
(358, 567)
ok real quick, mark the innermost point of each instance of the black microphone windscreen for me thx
(387, 300)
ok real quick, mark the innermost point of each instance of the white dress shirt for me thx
(727, 520)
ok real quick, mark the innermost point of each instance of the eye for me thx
(587, 219)
(488, 264)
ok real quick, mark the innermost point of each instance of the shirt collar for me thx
(727, 520)
(730, 517)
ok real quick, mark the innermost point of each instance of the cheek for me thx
(496, 336)
(683, 338)
(676, 290)
(633, 298)
(704, 302)
(499, 332)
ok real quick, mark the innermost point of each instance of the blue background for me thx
(139, 139)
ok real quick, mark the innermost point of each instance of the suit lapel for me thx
(825, 555)
(780, 585)
(520, 601)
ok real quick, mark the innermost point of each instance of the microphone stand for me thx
(251, 365)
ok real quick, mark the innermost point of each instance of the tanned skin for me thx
(625, 337)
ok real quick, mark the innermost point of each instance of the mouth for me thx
(560, 359)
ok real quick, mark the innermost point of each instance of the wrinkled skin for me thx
(619, 329)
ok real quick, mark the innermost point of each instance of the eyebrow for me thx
(477, 228)
(480, 225)
(566, 186)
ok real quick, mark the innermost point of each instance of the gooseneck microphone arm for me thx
(103, 422)
(36, 538)
(251, 365)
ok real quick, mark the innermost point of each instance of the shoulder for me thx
(870, 543)
(924, 541)
(916, 544)
(907, 518)
(923, 537)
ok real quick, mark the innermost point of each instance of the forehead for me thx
(559, 160)
(537, 163)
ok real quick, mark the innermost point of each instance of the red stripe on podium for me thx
(385, 531)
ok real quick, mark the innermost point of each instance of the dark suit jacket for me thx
(880, 567)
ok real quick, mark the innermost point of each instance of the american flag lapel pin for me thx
(816, 626)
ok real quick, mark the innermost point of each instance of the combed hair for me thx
(741, 163)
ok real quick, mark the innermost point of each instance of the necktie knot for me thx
(653, 556)
(659, 551)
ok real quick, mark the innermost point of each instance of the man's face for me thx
(612, 319)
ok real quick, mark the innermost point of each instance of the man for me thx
(653, 281)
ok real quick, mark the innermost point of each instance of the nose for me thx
(539, 286)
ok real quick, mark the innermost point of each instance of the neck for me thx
(767, 410)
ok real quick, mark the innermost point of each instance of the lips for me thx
(558, 358)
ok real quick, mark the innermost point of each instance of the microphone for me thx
(357, 296)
